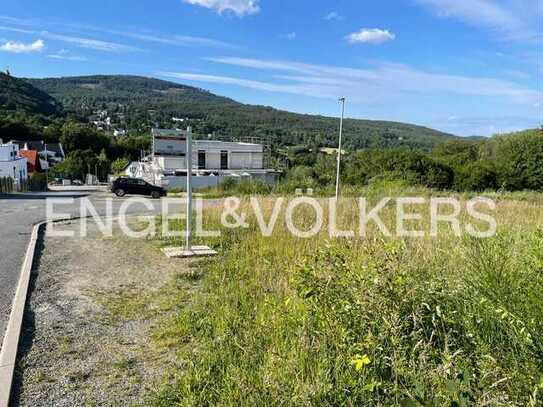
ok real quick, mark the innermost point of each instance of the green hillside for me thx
(145, 102)
(19, 95)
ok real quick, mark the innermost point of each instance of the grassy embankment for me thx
(368, 321)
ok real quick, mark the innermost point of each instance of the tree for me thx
(76, 165)
(401, 163)
(476, 176)
(103, 166)
(119, 165)
(519, 160)
(77, 136)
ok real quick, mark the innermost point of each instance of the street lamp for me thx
(342, 100)
(188, 235)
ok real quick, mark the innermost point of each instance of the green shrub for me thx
(519, 159)
(413, 166)
(119, 165)
(477, 176)
(37, 182)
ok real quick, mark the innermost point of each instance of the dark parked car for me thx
(122, 186)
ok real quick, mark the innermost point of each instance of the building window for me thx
(224, 160)
(201, 159)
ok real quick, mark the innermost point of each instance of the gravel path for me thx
(87, 328)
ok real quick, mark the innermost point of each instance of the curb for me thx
(8, 353)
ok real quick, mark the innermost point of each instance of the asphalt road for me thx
(19, 214)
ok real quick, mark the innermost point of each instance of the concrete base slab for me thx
(182, 252)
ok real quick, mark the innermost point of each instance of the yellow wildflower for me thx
(360, 361)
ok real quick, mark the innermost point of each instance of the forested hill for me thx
(19, 95)
(144, 102)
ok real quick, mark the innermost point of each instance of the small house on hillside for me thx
(33, 161)
(11, 165)
(50, 153)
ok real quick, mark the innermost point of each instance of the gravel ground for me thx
(86, 337)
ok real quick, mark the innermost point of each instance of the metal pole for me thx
(189, 190)
(46, 169)
(342, 100)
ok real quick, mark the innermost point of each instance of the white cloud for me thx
(21, 48)
(175, 40)
(484, 125)
(16, 30)
(370, 36)
(227, 80)
(333, 15)
(239, 7)
(81, 42)
(89, 43)
(513, 19)
(380, 82)
(290, 36)
(84, 42)
(66, 55)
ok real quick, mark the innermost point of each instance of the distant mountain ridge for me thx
(146, 102)
(17, 94)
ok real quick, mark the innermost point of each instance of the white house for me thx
(11, 165)
(211, 160)
(169, 149)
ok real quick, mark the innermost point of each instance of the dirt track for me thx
(86, 335)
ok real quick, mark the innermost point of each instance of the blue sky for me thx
(470, 67)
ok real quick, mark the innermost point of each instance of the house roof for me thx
(56, 148)
(31, 157)
(35, 145)
(168, 133)
(20, 143)
(40, 146)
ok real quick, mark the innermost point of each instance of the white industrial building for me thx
(11, 165)
(212, 160)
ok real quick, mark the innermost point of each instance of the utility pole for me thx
(46, 169)
(188, 245)
(342, 100)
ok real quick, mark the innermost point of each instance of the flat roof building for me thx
(211, 158)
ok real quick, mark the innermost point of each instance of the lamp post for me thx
(188, 245)
(342, 100)
(46, 169)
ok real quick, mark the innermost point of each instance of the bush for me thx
(37, 182)
(519, 159)
(119, 165)
(413, 166)
(478, 176)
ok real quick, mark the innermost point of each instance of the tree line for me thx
(506, 162)
(87, 149)
(509, 162)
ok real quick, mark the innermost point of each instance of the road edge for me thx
(10, 345)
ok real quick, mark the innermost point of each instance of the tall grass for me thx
(446, 321)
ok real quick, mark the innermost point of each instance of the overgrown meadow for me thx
(374, 321)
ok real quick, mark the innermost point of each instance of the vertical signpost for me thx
(46, 169)
(188, 250)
